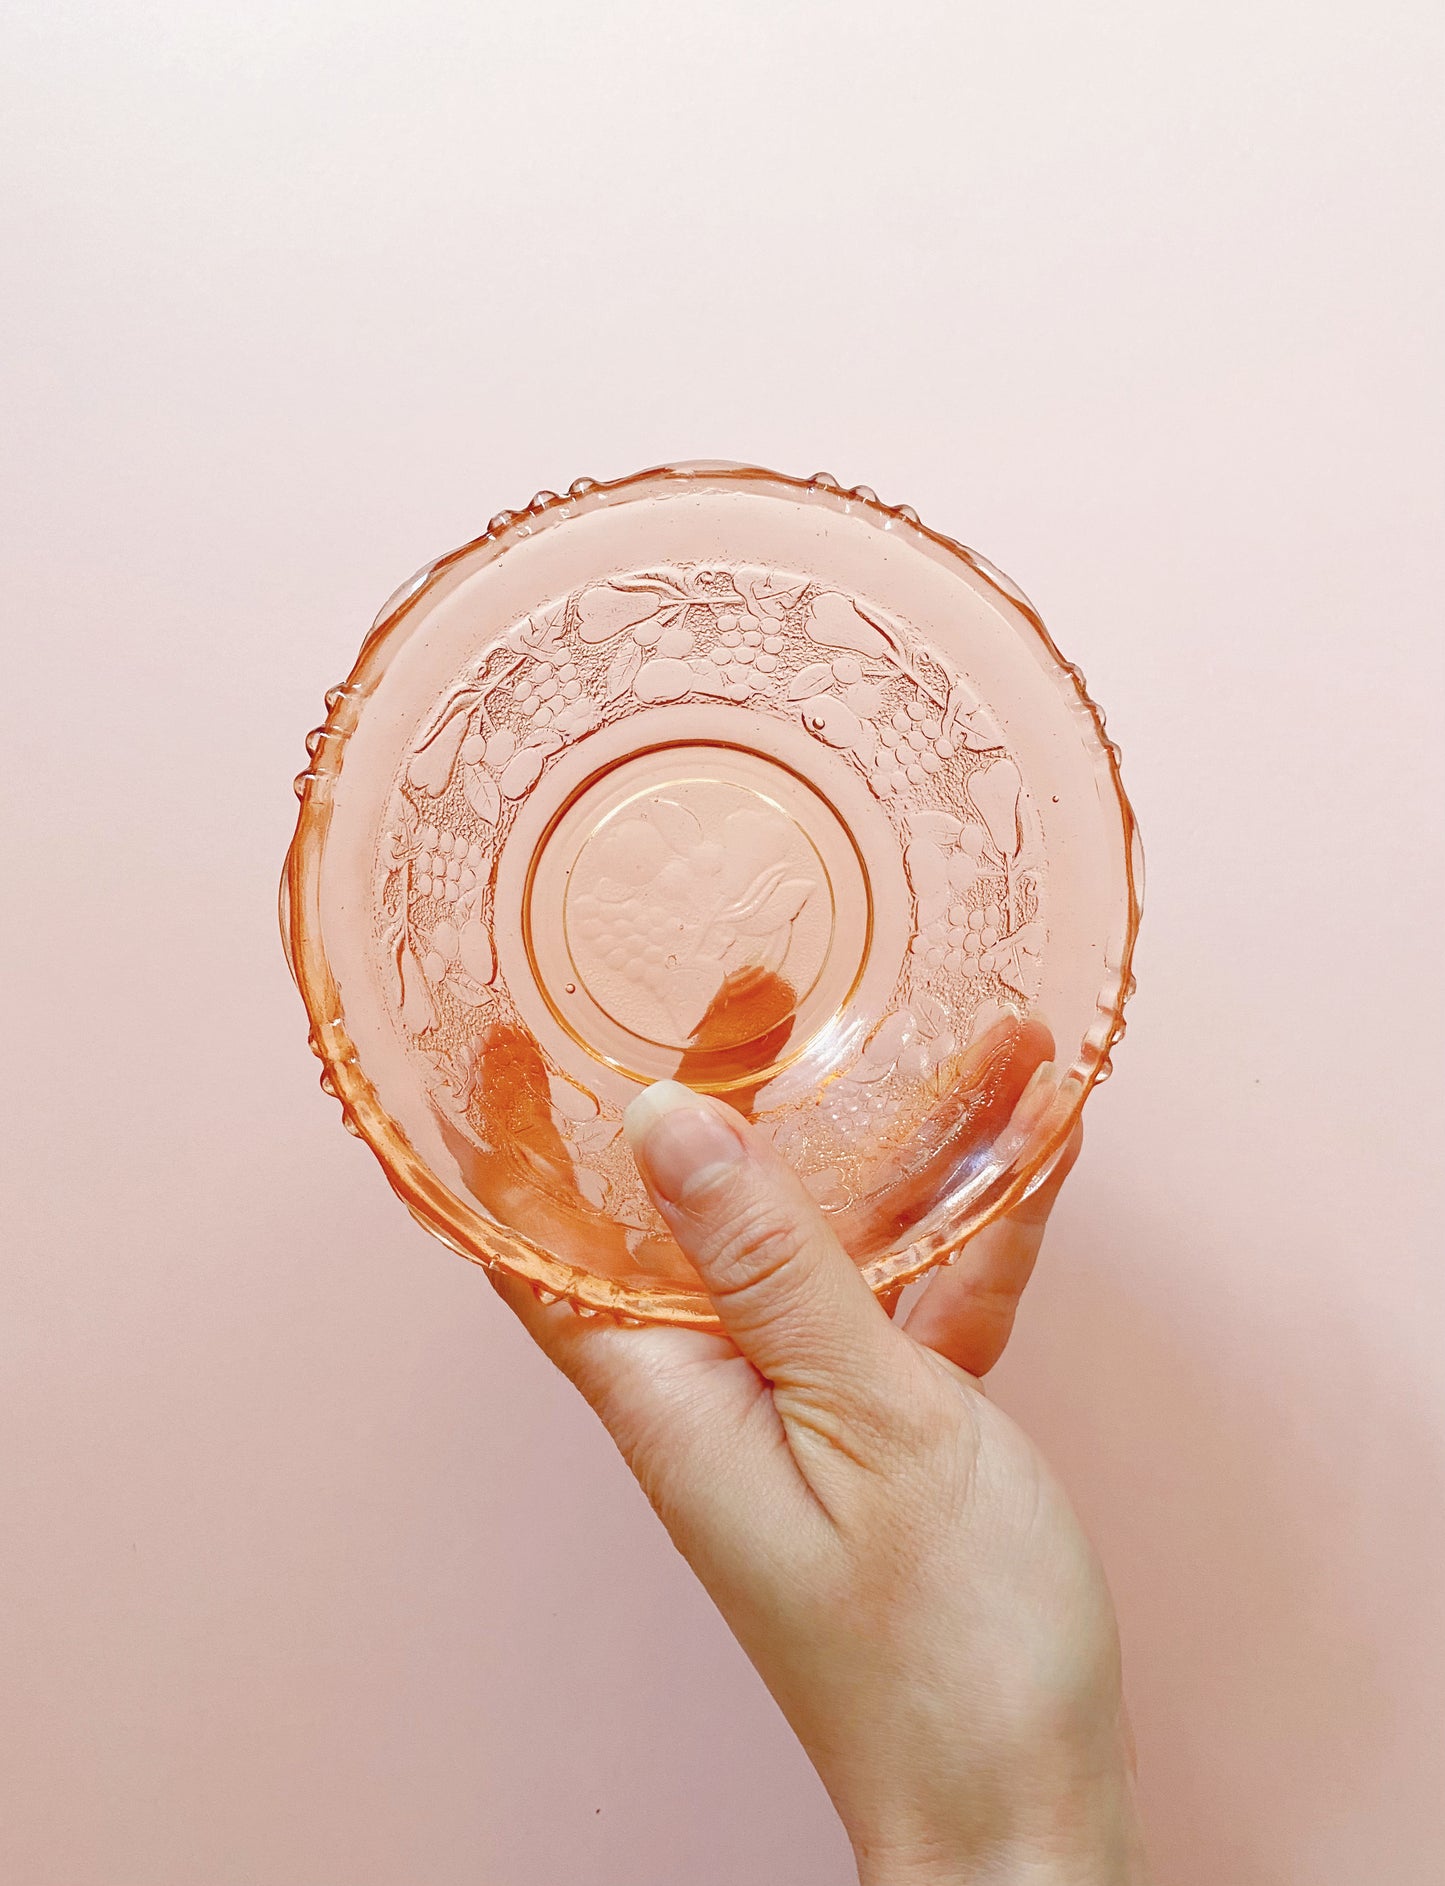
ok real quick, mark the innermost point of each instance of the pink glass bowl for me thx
(721, 776)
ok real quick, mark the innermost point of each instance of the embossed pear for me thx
(415, 1008)
(474, 950)
(995, 792)
(521, 773)
(834, 620)
(430, 769)
(603, 612)
(834, 721)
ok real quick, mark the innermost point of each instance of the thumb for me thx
(787, 1293)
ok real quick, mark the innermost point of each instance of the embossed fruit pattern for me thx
(669, 911)
(675, 915)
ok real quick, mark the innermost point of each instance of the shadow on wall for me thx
(1269, 1504)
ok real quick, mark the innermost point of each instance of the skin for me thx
(889, 1549)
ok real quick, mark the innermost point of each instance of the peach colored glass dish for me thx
(718, 775)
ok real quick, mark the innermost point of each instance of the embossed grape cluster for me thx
(744, 651)
(912, 746)
(547, 690)
(625, 936)
(446, 867)
(972, 938)
(866, 1111)
(850, 1115)
(969, 943)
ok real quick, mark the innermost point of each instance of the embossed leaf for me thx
(593, 1137)
(677, 825)
(482, 794)
(880, 1052)
(574, 1103)
(473, 993)
(995, 792)
(664, 679)
(975, 738)
(603, 611)
(430, 768)
(810, 680)
(931, 1013)
(536, 632)
(625, 664)
(444, 941)
(939, 828)
(922, 1059)
(1030, 937)
(666, 582)
(761, 886)
(706, 679)
(888, 1039)
(474, 951)
(961, 700)
(522, 773)
(1020, 971)
(772, 596)
(417, 1013)
(777, 911)
(771, 951)
(835, 620)
(927, 869)
(940, 1049)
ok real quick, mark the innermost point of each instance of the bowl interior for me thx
(723, 777)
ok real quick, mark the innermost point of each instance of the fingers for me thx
(652, 1382)
(985, 1089)
(562, 1336)
(785, 1291)
(966, 1313)
(691, 1417)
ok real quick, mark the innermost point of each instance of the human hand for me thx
(887, 1546)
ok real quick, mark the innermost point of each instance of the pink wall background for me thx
(311, 1573)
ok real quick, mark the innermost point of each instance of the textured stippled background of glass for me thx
(312, 1575)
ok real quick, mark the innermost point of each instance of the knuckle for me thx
(757, 1250)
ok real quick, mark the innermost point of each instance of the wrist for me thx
(1088, 1839)
(1118, 1863)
